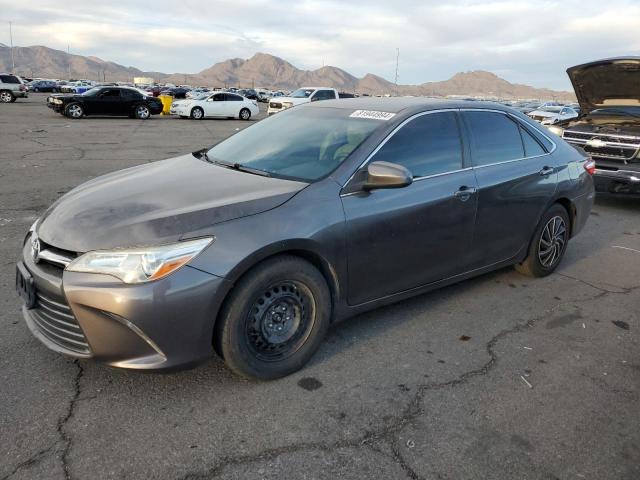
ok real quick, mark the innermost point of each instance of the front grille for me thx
(56, 321)
(275, 105)
(606, 146)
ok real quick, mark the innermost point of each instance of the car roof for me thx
(399, 104)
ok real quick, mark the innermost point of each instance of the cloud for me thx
(526, 41)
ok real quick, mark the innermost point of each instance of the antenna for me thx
(13, 62)
(397, 60)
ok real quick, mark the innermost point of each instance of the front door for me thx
(400, 239)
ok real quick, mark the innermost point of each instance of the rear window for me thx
(494, 138)
(9, 79)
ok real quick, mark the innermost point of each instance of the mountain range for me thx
(263, 70)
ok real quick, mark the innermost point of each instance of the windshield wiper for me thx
(233, 166)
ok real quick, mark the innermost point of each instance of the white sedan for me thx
(552, 114)
(215, 105)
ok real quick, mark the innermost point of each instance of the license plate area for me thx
(25, 286)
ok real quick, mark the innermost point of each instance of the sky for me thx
(528, 41)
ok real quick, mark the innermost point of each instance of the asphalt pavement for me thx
(499, 377)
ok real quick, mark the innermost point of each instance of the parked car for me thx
(253, 247)
(608, 127)
(115, 101)
(153, 90)
(300, 96)
(216, 105)
(264, 96)
(176, 92)
(77, 87)
(11, 88)
(44, 86)
(550, 115)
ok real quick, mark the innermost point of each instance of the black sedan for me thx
(252, 248)
(112, 101)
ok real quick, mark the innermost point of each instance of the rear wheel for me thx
(197, 113)
(245, 114)
(142, 112)
(36, 89)
(6, 96)
(74, 110)
(548, 244)
(275, 319)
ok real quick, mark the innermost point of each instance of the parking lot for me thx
(499, 377)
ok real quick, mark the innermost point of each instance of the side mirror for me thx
(387, 175)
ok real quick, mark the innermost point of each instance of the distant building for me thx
(143, 80)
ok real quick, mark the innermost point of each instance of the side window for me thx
(494, 137)
(218, 97)
(128, 94)
(427, 145)
(324, 95)
(234, 98)
(110, 92)
(9, 79)
(531, 145)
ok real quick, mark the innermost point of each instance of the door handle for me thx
(546, 171)
(464, 192)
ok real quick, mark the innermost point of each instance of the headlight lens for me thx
(555, 130)
(138, 265)
(57, 101)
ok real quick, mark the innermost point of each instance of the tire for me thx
(245, 114)
(548, 244)
(142, 112)
(274, 320)
(197, 113)
(7, 97)
(74, 110)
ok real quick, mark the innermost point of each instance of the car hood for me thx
(542, 113)
(157, 203)
(609, 82)
(294, 101)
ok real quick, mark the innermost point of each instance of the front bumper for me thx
(20, 94)
(617, 181)
(159, 325)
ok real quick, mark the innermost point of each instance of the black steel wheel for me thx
(548, 244)
(275, 318)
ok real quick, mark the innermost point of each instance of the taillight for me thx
(590, 166)
(23, 88)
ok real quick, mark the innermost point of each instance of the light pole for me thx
(13, 62)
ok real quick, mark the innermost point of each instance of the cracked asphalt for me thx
(499, 377)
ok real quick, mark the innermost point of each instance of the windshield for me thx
(302, 93)
(550, 109)
(302, 144)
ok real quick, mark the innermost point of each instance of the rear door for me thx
(233, 104)
(399, 239)
(516, 178)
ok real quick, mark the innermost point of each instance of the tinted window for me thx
(110, 92)
(218, 97)
(234, 98)
(427, 145)
(531, 145)
(324, 95)
(9, 79)
(126, 93)
(494, 137)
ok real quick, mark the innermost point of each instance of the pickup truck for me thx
(302, 95)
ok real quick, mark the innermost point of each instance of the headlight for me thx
(57, 101)
(555, 130)
(287, 104)
(138, 265)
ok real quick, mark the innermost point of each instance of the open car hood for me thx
(606, 83)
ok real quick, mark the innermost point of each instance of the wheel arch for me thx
(570, 207)
(301, 249)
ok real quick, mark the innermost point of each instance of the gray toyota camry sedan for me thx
(253, 247)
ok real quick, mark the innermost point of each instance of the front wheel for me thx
(548, 244)
(74, 110)
(275, 319)
(197, 113)
(6, 97)
(245, 114)
(142, 112)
